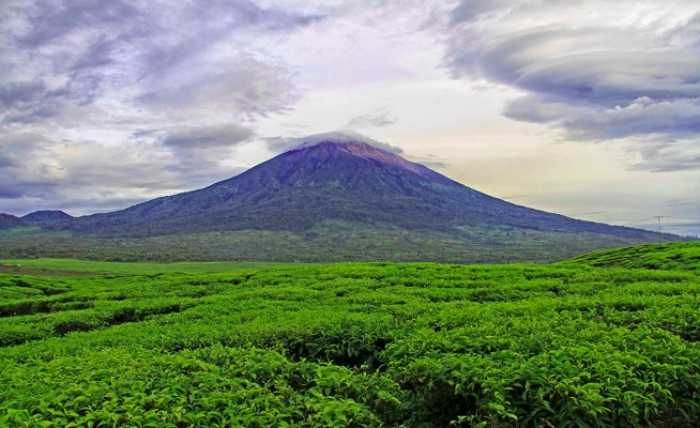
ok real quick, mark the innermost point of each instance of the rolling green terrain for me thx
(353, 344)
(680, 256)
(326, 242)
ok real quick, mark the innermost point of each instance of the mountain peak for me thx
(8, 221)
(47, 214)
(46, 218)
(339, 138)
(330, 144)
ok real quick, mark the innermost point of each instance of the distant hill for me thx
(47, 218)
(44, 219)
(8, 221)
(340, 196)
(675, 256)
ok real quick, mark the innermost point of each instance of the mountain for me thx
(43, 219)
(340, 196)
(334, 179)
(8, 221)
(47, 218)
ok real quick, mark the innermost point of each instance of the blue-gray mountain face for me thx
(43, 219)
(348, 181)
(8, 221)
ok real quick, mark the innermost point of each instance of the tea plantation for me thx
(597, 341)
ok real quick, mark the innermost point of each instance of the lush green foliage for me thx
(683, 256)
(347, 345)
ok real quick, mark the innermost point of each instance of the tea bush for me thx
(354, 344)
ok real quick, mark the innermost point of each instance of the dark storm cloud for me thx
(594, 80)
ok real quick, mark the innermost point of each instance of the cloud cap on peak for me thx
(281, 144)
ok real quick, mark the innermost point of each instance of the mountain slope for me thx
(8, 221)
(334, 181)
(47, 218)
(675, 256)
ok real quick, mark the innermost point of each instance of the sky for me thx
(588, 108)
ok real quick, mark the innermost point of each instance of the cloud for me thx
(378, 119)
(46, 21)
(198, 151)
(37, 172)
(207, 136)
(28, 101)
(641, 117)
(631, 72)
(251, 88)
(667, 156)
(169, 55)
(467, 11)
(90, 91)
(18, 94)
(283, 144)
(18, 176)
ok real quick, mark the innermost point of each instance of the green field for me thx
(680, 256)
(609, 339)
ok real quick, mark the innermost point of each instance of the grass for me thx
(352, 344)
(132, 268)
(681, 256)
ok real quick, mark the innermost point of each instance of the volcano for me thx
(337, 181)
(334, 177)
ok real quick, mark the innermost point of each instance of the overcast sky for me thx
(590, 110)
